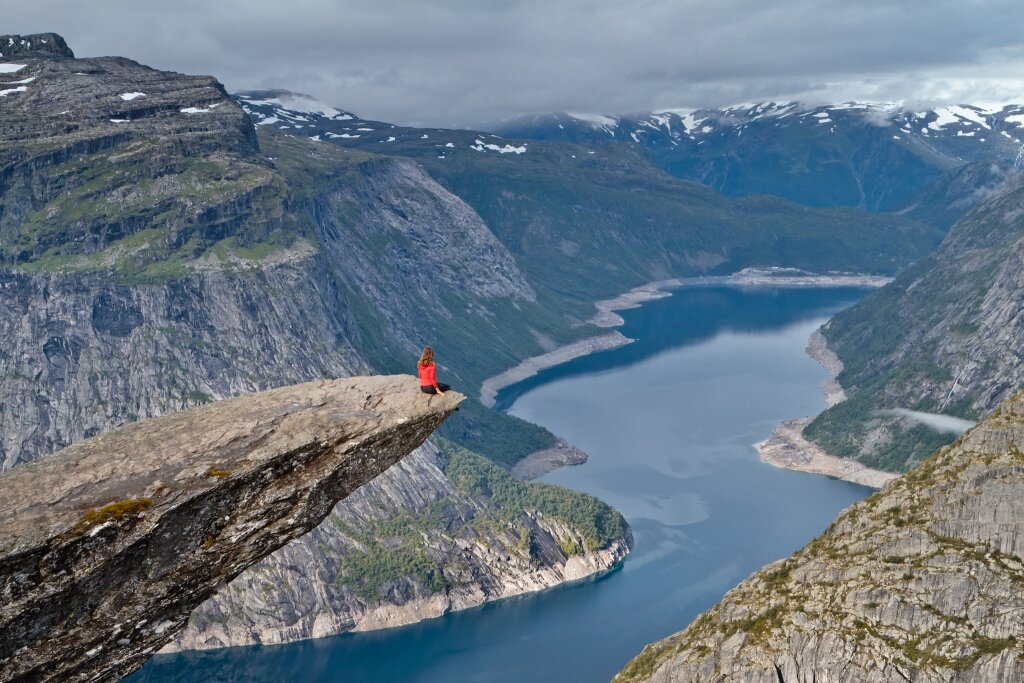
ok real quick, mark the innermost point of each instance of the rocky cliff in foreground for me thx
(109, 545)
(443, 530)
(920, 582)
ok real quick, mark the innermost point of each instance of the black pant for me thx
(431, 390)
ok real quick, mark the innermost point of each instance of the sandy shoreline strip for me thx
(531, 366)
(563, 453)
(749, 277)
(606, 315)
(788, 448)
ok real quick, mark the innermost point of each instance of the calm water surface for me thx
(668, 422)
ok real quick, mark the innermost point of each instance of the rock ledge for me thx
(109, 545)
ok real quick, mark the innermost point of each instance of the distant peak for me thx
(35, 45)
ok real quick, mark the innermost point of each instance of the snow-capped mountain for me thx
(875, 156)
(878, 157)
(674, 127)
(303, 115)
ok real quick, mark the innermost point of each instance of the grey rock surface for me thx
(301, 591)
(920, 582)
(35, 45)
(109, 545)
(161, 254)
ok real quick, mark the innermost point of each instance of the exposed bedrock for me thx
(109, 545)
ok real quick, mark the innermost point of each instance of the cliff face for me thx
(352, 573)
(943, 337)
(173, 257)
(108, 545)
(920, 582)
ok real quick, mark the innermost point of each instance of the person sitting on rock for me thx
(428, 374)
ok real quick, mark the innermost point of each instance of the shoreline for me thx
(606, 316)
(563, 453)
(539, 463)
(788, 448)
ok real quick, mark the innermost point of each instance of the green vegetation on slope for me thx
(417, 545)
(599, 224)
(940, 338)
(599, 523)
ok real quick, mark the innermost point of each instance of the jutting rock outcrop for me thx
(920, 582)
(109, 545)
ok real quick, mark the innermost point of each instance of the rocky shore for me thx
(782, 449)
(543, 461)
(787, 447)
(531, 366)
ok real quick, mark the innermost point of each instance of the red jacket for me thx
(428, 376)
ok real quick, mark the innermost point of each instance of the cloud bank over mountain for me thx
(463, 62)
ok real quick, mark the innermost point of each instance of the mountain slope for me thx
(587, 222)
(171, 257)
(942, 338)
(408, 547)
(921, 581)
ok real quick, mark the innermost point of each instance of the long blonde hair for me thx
(427, 357)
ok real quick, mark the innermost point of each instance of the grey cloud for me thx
(458, 62)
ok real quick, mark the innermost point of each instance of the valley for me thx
(629, 294)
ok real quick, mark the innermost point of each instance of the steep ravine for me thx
(920, 582)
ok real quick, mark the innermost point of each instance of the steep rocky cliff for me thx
(163, 255)
(920, 582)
(943, 337)
(108, 545)
(415, 544)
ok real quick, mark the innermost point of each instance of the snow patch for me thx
(21, 88)
(299, 103)
(342, 135)
(507, 149)
(113, 120)
(391, 139)
(11, 68)
(595, 120)
(198, 110)
(129, 96)
(100, 528)
(948, 115)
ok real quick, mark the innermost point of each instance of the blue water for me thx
(668, 422)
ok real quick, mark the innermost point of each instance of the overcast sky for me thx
(464, 62)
